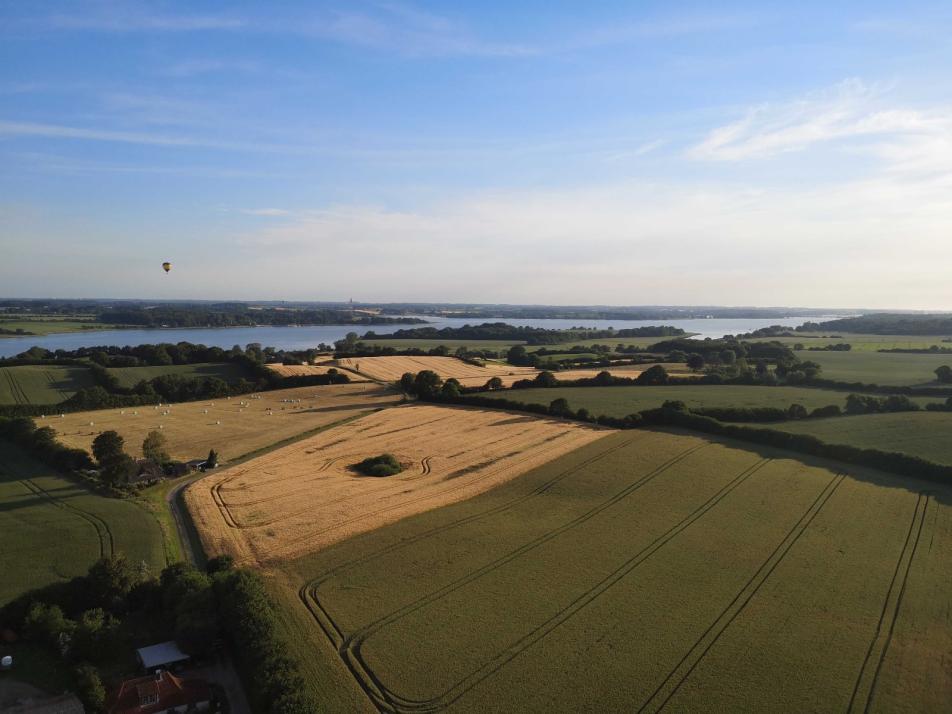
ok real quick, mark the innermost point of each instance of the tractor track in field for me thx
(865, 688)
(222, 503)
(349, 646)
(668, 687)
(394, 703)
(107, 546)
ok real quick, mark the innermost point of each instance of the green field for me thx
(860, 342)
(131, 376)
(53, 529)
(924, 434)
(41, 384)
(649, 570)
(48, 326)
(622, 401)
(890, 369)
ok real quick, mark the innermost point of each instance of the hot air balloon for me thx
(166, 267)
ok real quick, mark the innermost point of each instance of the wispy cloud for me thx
(848, 111)
(194, 67)
(385, 26)
(267, 212)
(405, 30)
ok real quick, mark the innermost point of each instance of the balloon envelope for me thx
(167, 267)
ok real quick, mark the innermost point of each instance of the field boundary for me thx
(692, 658)
(865, 687)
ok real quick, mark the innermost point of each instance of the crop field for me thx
(233, 426)
(131, 376)
(36, 325)
(924, 434)
(306, 370)
(861, 342)
(41, 384)
(390, 369)
(884, 368)
(646, 571)
(621, 401)
(305, 496)
(53, 529)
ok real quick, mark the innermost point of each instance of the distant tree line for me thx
(886, 324)
(529, 335)
(241, 315)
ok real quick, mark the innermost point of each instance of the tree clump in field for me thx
(155, 447)
(944, 374)
(383, 465)
(116, 466)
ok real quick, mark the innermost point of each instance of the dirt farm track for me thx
(302, 497)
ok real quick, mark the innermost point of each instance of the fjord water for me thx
(306, 336)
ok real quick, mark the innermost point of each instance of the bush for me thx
(383, 465)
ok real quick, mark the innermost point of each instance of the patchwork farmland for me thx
(305, 496)
(645, 571)
(233, 427)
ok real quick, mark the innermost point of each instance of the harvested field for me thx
(233, 427)
(647, 571)
(390, 369)
(304, 497)
(308, 370)
(626, 370)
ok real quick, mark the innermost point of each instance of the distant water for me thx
(297, 338)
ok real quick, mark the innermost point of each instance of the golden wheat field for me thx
(308, 370)
(303, 497)
(233, 427)
(390, 369)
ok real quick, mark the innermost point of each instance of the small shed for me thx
(161, 656)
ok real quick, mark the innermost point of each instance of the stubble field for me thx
(308, 370)
(646, 571)
(390, 369)
(305, 496)
(233, 427)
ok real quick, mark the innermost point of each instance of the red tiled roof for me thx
(170, 690)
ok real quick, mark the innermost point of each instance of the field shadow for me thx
(942, 493)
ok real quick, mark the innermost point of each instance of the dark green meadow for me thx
(621, 401)
(884, 368)
(42, 384)
(53, 529)
(924, 434)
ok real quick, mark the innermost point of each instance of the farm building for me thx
(161, 656)
(160, 693)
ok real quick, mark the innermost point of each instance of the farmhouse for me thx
(160, 693)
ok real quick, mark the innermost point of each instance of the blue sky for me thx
(545, 152)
